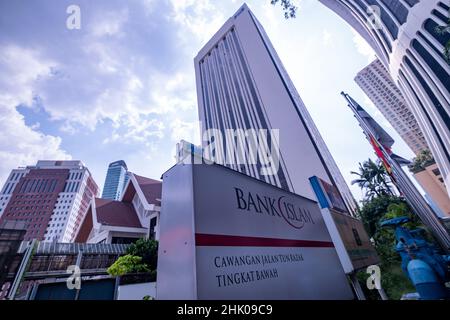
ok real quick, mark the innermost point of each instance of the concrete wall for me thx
(136, 291)
(435, 188)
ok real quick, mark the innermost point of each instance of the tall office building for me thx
(242, 84)
(51, 198)
(405, 40)
(378, 85)
(116, 180)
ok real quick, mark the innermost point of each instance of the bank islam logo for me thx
(295, 216)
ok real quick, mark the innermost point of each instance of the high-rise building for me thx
(378, 85)
(403, 34)
(116, 180)
(242, 84)
(51, 198)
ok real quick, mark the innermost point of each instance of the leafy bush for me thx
(147, 249)
(423, 160)
(141, 257)
(372, 213)
(127, 264)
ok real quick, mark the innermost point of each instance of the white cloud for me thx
(185, 130)
(113, 70)
(20, 70)
(136, 129)
(171, 93)
(271, 14)
(198, 18)
(110, 23)
(326, 37)
(363, 47)
(21, 145)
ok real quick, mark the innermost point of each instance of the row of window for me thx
(58, 219)
(430, 25)
(36, 216)
(399, 11)
(28, 208)
(390, 24)
(31, 202)
(422, 82)
(48, 232)
(38, 186)
(35, 196)
(16, 176)
(53, 225)
(9, 187)
(71, 186)
(412, 3)
(227, 84)
(65, 196)
(440, 73)
(75, 175)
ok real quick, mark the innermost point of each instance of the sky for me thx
(123, 85)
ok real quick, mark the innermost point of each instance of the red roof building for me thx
(134, 216)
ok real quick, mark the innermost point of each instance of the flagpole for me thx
(404, 184)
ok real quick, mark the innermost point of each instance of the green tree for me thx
(373, 179)
(140, 257)
(372, 213)
(127, 264)
(289, 8)
(374, 209)
(423, 160)
(147, 249)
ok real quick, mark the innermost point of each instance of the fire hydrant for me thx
(426, 268)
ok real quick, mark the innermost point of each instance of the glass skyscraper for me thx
(116, 180)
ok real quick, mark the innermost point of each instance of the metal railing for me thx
(45, 248)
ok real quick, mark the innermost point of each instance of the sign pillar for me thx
(225, 235)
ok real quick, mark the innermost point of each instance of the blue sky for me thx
(123, 86)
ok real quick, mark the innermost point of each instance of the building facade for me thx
(50, 197)
(378, 85)
(405, 40)
(116, 180)
(430, 179)
(242, 85)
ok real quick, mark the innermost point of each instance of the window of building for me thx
(436, 172)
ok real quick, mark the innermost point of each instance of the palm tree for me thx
(382, 180)
(365, 181)
(373, 179)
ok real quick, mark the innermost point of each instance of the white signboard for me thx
(225, 235)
